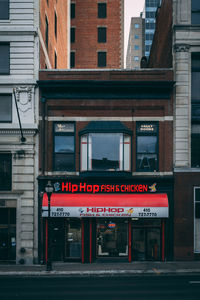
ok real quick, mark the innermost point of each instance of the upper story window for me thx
(195, 91)
(72, 59)
(4, 9)
(136, 25)
(195, 10)
(46, 32)
(136, 47)
(136, 36)
(150, 25)
(55, 60)
(73, 10)
(5, 172)
(136, 58)
(104, 150)
(147, 147)
(64, 146)
(4, 58)
(5, 108)
(102, 59)
(102, 34)
(72, 34)
(102, 10)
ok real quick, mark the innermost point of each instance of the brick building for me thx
(177, 43)
(97, 34)
(54, 34)
(106, 146)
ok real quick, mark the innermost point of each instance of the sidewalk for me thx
(103, 269)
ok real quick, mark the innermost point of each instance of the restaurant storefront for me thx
(94, 222)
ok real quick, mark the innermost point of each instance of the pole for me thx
(23, 139)
(49, 263)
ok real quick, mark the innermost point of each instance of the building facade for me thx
(97, 39)
(19, 66)
(150, 21)
(135, 50)
(185, 48)
(106, 147)
(54, 34)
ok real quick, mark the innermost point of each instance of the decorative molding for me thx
(181, 47)
(24, 97)
(31, 132)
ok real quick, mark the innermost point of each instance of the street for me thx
(118, 288)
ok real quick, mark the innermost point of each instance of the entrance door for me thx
(146, 243)
(112, 238)
(73, 238)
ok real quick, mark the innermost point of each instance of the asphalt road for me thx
(96, 288)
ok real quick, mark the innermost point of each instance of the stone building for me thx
(135, 49)
(179, 43)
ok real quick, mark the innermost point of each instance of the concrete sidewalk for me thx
(103, 269)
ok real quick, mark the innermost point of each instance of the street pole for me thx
(49, 191)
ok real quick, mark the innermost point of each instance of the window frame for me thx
(64, 134)
(8, 72)
(121, 153)
(9, 156)
(139, 123)
(7, 11)
(101, 65)
(7, 94)
(102, 12)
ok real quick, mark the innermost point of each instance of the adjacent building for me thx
(97, 38)
(135, 49)
(180, 38)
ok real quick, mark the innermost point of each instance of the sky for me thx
(132, 9)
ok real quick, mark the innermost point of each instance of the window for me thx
(136, 58)
(147, 147)
(55, 25)
(101, 59)
(72, 59)
(4, 59)
(149, 36)
(150, 14)
(195, 8)
(5, 172)
(4, 9)
(64, 146)
(73, 15)
(195, 148)
(5, 108)
(102, 35)
(55, 60)
(136, 25)
(197, 219)
(46, 32)
(195, 91)
(150, 25)
(136, 36)
(105, 148)
(102, 10)
(136, 47)
(72, 35)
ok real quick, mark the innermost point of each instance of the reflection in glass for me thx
(64, 144)
(105, 151)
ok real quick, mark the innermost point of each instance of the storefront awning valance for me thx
(107, 205)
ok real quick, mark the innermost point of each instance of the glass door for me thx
(112, 238)
(73, 238)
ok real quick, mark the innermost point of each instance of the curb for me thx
(106, 273)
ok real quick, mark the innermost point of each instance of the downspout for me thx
(43, 134)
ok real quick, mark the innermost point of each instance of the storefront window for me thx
(105, 152)
(147, 147)
(112, 238)
(64, 147)
(197, 219)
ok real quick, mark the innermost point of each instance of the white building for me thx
(19, 64)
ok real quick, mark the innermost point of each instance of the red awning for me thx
(107, 205)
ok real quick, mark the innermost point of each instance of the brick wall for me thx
(59, 44)
(86, 22)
